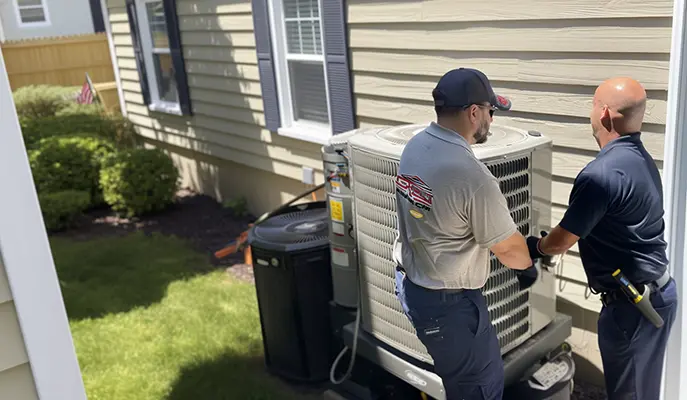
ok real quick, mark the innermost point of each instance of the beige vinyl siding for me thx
(547, 56)
(221, 62)
(16, 379)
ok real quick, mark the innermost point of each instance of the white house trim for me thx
(2, 32)
(675, 199)
(29, 266)
(113, 55)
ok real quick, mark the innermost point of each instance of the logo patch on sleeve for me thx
(415, 190)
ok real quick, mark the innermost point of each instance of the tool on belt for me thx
(640, 300)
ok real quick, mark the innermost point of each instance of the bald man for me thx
(615, 213)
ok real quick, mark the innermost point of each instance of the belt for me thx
(613, 295)
(444, 291)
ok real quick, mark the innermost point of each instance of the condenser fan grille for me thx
(374, 186)
(298, 227)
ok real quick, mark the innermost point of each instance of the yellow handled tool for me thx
(640, 300)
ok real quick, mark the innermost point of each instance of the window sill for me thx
(42, 24)
(167, 108)
(313, 133)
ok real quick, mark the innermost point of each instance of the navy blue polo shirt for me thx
(616, 208)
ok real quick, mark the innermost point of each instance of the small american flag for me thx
(87, 94)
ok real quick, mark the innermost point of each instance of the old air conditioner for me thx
(521, 161)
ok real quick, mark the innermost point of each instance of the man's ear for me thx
(605, 118)
(473, 110)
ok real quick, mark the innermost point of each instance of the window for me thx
(32, 13)
(159, 58)
(302, 58)
(300, 67)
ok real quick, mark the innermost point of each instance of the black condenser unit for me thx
(291, 262)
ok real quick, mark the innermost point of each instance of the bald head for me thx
(619, 103)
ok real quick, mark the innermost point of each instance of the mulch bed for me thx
(198, 218)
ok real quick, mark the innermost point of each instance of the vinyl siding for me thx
(228, 122)
(548, 57)
(16, 379)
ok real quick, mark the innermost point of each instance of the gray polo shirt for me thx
(450, 211)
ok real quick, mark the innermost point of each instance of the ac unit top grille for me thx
(390, 141)
(294, 230)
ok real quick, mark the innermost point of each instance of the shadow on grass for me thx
(233, 376)
(118, 274)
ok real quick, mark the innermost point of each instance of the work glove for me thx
(527, 277)
(533, 246)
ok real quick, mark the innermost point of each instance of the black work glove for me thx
(532, 246)
(527, 277)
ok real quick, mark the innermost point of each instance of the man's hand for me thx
(533, 246)
(527, 277)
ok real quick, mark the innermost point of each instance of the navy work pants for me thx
(633, 349)
(455, 328)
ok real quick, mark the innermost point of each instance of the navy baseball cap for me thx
(462, 87)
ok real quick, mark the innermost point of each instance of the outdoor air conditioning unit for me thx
(519, 159)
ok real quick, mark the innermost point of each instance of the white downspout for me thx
(113, 55)
(675, 201)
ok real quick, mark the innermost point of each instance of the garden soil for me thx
(200, 219)
(209, 226)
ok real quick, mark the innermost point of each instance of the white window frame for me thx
(156, 103)
(40, 24)
(310, 131)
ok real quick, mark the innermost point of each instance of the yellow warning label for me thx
(336, 207)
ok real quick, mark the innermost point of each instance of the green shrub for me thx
(115, 128)
(139, 181)
(61, 209)
(69, 163)
(38, 101)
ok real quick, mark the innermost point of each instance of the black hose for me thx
(267, 215)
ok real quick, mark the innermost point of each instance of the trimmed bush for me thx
(69, 163)
(115, 128)
(139, 181)
(38, 101)
(61, 209)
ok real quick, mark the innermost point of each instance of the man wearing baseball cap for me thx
(451, 213)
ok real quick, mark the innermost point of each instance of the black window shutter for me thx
(338, 71)
(263, 46)
(138, 50)
(174, 35)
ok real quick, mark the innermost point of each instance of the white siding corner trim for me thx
(29, 266)
(113, 56)
(675, 199)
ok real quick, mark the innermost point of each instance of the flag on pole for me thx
(87, 94)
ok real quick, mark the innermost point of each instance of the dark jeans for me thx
(455, 328)
(632, 349)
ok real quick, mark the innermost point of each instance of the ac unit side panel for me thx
(543, 300)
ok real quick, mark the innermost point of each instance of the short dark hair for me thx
(443, 112)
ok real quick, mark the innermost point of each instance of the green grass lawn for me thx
(151, 321)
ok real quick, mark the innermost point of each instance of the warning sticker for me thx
(338, 229)
(336, 187)
(339, 256)
(337, 212)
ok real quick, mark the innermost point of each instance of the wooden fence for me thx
(58, 61)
